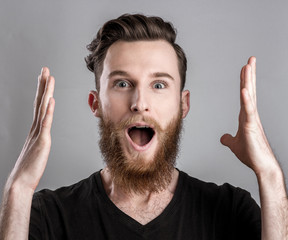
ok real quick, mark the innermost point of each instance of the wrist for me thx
(270, 173)
(16, 188)
(267, 168)
(271, 183)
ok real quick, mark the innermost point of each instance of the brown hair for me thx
(132, 27)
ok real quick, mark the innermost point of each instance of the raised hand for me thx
(32, 161)
(29, 168)
(250, 144)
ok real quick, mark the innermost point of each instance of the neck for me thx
(121, 197)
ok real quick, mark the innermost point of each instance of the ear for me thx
(185, 101)
(94, 103)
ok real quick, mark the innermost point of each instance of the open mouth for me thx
(141, 135)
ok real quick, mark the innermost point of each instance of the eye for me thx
(159, 85)
(122, 84)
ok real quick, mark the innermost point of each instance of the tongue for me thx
(139, 136)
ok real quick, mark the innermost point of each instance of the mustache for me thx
(124, 124)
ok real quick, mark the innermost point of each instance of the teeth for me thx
(141, 127)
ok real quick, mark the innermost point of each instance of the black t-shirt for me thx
(198, 210)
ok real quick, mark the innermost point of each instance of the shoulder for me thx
(53, 210)
(209, 187)
(231, 209)
(197, 184)
(79, 190)
(211, 192)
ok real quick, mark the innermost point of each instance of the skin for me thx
(29, 168)
(249, 145)
(129, 74)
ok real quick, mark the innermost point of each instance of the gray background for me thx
(218, 37)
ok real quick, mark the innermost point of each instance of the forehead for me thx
(143, 57)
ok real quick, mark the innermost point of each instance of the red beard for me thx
(137, 175)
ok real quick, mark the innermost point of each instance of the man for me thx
(140, 102)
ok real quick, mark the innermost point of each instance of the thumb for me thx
(227, 140)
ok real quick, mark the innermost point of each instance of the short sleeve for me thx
(36, 230)
(247, 216)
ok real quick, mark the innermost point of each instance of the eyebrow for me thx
(118, 73)
(162, 74)
(126, 74)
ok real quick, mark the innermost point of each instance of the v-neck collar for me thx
(131, 222)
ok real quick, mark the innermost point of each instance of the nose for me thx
(139, 102)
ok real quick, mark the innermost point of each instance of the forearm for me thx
(15, 213)
(274, 204)
(29, 168)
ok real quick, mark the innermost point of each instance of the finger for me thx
(245, 81)
(42, 79)
(253, 74)
(242, 83)
(48, 93)
(248, 79)
(252, 63)
(47, 120)
(248, 106)
(227, 140)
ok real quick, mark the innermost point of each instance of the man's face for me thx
(140, 96)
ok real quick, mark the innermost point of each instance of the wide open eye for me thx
(122, 84)
(159, 85)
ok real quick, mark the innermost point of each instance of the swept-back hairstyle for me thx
(132, 27)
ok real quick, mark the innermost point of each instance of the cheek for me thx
(114, 107)
(168, 109)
